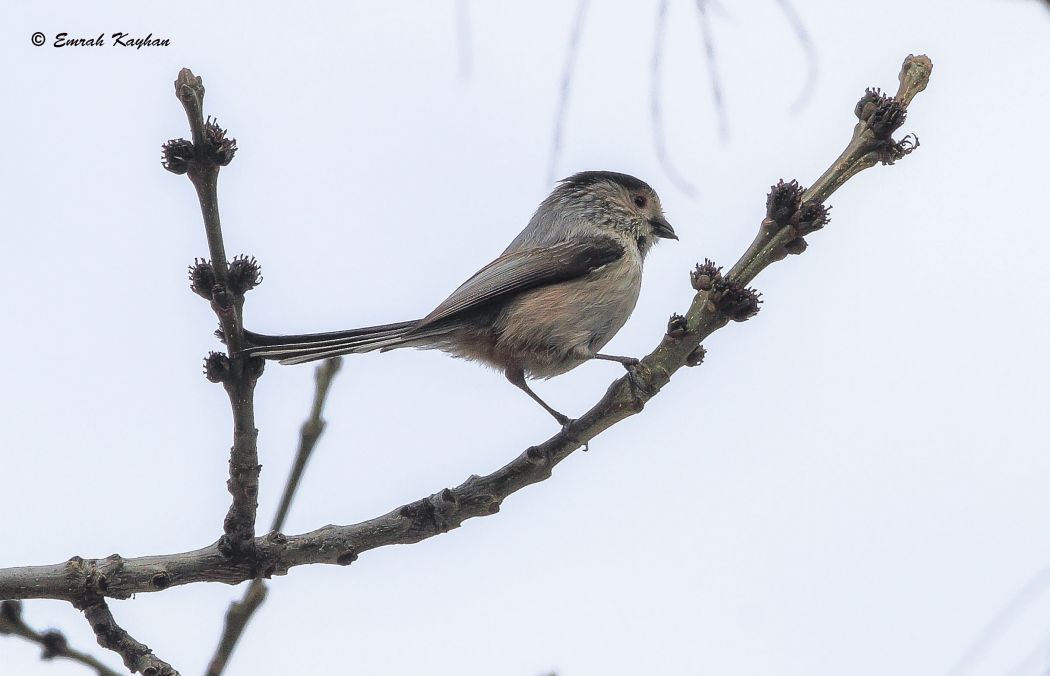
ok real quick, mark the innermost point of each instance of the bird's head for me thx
(620, 203)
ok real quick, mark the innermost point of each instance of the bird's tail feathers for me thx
(297, 349)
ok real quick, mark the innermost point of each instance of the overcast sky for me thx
(854, 483)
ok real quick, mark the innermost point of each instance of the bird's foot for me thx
(566, 429)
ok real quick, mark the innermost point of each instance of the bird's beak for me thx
(662, 229)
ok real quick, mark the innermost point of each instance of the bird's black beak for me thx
(662, 229)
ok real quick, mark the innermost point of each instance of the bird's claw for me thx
(566, 429)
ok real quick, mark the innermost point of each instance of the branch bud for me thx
(782, 202)
(189, 86)
(888, 116)
(217, 149)
(245, 274)
(176, 155)
(53, 644)
(704, 276)
(796, 246)
(696, 357)
(896, 151)
(202, 278)
(872, 99)
(217, 367)
(676, 326)
(812, 216)
(738, 303)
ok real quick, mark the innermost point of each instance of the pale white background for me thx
(854, 483)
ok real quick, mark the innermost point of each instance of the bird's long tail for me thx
(302, 348)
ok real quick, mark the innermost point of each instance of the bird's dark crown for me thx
(585, 179)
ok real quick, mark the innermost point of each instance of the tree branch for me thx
(791, 214)
(52, 642)
(224, 284)
(240, 612)
(137, 656)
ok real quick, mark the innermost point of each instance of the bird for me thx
(550, 302)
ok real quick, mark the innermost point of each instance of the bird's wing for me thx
(527, 269)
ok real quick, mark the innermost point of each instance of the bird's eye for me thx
(639, 201)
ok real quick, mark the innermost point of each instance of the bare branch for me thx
(708, 39)
(804, 40)
(52, 643)
(792, 214)
(201, 161)
(566, 87)
(240, 612)
(309, 433)
(137, 656)
(655, 106)
(236, 620)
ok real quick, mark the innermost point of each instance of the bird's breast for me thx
(552, 326)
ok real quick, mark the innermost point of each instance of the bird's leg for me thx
(629, 363)
(517, 378)
(626, 361)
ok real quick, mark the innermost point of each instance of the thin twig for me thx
(237, 617)
(138, 658)
(210, 151)
(53, 643)
(309, 433)
(656, 109)
(708, 38)
(566, 87)
(812, 65)
(240, 612)
(717, 301)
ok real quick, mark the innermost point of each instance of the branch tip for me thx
(189, 87)
(914, 76)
